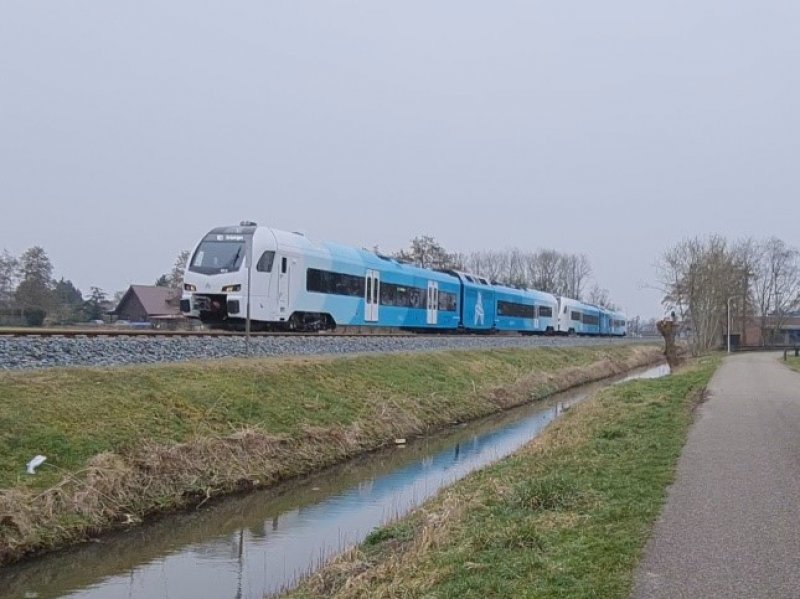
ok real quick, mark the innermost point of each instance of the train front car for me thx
(299, 285)
(215, 281)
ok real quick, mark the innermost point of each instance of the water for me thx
(249, 546)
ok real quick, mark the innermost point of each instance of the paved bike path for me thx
(731, 523)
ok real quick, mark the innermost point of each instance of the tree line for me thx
(702, 277)
(29, 292)
(546, 270)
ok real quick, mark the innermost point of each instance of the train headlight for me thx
(189, 287)
(231, 288)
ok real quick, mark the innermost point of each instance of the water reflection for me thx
(247, 546)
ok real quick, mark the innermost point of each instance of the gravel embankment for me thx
(21, 353)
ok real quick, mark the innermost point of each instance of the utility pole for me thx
(249, 258)
(729, 321)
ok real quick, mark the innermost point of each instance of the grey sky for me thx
(611, 128)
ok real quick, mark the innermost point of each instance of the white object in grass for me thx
(37, 461)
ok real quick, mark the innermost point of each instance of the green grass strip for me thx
(792, 362)
(70, 415)
(567, 516)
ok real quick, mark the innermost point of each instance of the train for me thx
(282, 281)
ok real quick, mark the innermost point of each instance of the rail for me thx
(125, 332)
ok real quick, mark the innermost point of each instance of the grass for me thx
(793, 363)
(567, 516)
(137, 440)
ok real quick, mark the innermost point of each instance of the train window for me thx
(415, 296)
(403, 296)
(545, 312)
(265, 262)
(590, 319)
(323, 281)
(575, 316)
(213, 257)
(447, 301)
(484, 281)
(283, 265)
(514, 309)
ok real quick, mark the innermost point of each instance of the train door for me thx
(372, 289)
(433, 302)
(283, 287)
(262, 291)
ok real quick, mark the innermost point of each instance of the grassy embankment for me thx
(566, 516)
(123, 443)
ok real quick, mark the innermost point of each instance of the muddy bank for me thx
(402, 397)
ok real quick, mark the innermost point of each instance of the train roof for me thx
(339, 251)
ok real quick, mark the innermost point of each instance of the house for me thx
(159, 306)
(776, 330)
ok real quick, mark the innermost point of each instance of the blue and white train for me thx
(296, 284)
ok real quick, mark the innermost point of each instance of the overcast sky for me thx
(615, 129)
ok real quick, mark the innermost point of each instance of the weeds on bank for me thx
(567, 516)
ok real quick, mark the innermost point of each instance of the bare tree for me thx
(543, 269)
(599, 297)
(574, 270)
(492, 264)
(747, 254)
(698, 276)
(776, 285)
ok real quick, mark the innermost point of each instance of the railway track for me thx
(25, 349)
(126, 332)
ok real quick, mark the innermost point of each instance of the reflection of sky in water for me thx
(259, 559)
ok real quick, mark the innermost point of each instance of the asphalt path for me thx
(731, 523)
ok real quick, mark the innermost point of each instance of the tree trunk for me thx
(668, 330)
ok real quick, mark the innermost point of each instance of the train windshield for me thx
(218, 254)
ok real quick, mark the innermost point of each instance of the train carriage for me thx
(618, 324)
(590, 317)
(296, 284)
(578, 318)
(477, 301)
(524, 310)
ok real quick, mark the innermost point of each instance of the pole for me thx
(249, 258)
(729, 322)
